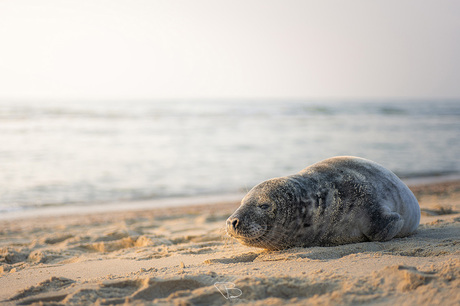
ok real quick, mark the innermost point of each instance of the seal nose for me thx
(233, 223)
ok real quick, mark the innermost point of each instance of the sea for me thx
(103, 153)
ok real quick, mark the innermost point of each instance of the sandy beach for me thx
(182, 256)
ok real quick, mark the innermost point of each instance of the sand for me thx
(182, 256)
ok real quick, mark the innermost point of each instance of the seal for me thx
(336, 201)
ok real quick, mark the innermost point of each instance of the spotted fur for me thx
(337, 201)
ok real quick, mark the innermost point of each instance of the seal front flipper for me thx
(385, 227)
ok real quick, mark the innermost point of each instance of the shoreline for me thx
(181, 255)
(182, 201)
(113, 207)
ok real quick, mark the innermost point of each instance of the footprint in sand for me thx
(39, 293)
(66, 291)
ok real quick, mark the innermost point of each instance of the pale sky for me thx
(135, 49)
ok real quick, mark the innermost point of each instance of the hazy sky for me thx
(229, 49)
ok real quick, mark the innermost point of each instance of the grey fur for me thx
(336, 201)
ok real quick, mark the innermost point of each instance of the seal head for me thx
(263, 219)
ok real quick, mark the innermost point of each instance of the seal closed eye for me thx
(336, 201)
(264, 206)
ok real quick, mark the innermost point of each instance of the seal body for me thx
(336, 201)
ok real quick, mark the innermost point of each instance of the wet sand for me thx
(182, 255)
